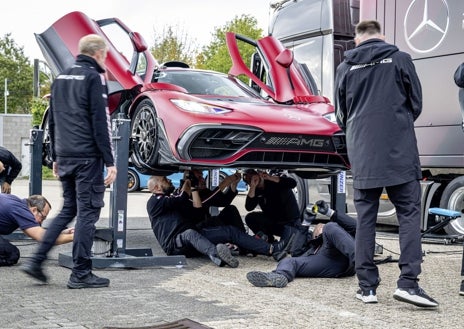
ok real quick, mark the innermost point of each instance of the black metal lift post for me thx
(118, 256)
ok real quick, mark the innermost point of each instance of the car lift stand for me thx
(443, 217)
(117, 256)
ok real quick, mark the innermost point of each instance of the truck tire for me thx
(453, 198)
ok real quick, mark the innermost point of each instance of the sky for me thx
(198, 18)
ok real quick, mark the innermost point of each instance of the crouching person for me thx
(177, 233)
(27, 215)
(330, 254)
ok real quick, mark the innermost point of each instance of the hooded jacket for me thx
(378, 97)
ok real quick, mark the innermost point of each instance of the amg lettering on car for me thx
(299, 141)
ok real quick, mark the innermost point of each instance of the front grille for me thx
(220, 143)
(295, 159)
(205, 142)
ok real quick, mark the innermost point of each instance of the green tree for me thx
(16, 68)
(174, 44)
(215, 56)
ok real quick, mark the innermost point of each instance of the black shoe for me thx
(461, 292)
(223, 252)
(271, 279)
(415, 296)
(89, 281)
(281, 248)
(34, 270)
(367, 296)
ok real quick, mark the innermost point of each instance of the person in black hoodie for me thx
(378, 97)
(10, 167)
(80, 138)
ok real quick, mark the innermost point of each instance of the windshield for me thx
(205, 83)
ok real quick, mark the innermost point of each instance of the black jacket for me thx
(277, 201)
(79, 119)
(12, 165)
(378, 97)
(167, 219)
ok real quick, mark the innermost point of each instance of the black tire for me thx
(46, 149)
(133, 181)
(301, 193)
(453, 198)
(144, 136)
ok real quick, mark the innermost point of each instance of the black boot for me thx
(280, 249)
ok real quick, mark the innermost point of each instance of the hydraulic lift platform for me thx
(109, 246)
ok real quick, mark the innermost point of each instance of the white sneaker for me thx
(368, 296)
(415, 296)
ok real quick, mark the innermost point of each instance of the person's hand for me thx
(68, 230)
(254, 181)
(55, 169)
(266, 176)
(187, 186)
(110, 175)
(6, 188)
(318, 230)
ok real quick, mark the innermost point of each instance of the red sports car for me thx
(182, 117)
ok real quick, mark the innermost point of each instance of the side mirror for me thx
(138, 42)
(285, 58)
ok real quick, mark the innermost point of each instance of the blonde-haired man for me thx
(80, 139)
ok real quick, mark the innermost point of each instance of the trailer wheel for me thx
(453, 198)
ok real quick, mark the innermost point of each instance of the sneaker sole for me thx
(225, 255)
(259, 279)
(416, 300)
(367, 299)
(72, 285)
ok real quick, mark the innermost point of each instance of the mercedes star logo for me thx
(425, 24)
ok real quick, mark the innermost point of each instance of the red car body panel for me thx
(287, 132)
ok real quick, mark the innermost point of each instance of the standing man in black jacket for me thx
(80, 137)
(10, 167)
(378, 97)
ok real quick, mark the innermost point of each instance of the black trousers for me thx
(407, 201)
(9, 253)
(83, 194)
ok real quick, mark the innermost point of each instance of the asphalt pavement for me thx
(218, 297)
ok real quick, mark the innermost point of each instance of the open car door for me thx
(275, 71)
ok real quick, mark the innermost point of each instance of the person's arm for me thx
(37, 233)
(15, 168)
(100, 119)
(340, 97)
(251, 201)
(413, 87)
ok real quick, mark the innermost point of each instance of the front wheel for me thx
(453, 198)
(144, 135)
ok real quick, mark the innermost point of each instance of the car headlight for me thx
(197, 107)
(331, 117)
